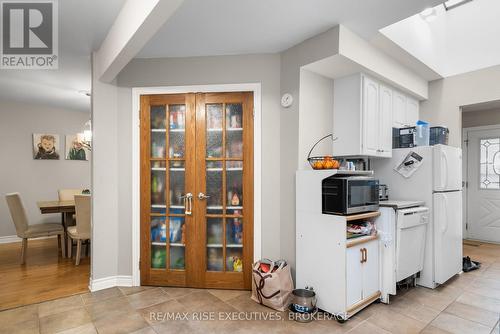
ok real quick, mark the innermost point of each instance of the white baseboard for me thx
(109, 282)
(14, 238)
(9, 239)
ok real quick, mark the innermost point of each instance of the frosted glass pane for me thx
(489, 163)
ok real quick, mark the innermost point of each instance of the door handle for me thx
(202, 196)
(188, 204)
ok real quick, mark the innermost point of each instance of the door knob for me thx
(202, 196)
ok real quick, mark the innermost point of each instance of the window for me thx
(489, 163)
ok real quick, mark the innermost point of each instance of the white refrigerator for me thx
(437, 180)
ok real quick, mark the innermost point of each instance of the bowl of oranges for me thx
(323, 162)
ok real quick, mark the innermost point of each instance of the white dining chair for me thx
(26, 231)
(81, 231)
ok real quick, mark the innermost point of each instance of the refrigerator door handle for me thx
(445, 204)
(447, 174)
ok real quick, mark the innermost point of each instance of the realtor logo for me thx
(29, 35)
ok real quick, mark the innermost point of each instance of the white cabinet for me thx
(345, 273)
(354, 275)
(362, 117)
(412, 111)
(405, 111)
(385, 121)
(399, 110)
(371, 117)
(362, 263)
(364, 113)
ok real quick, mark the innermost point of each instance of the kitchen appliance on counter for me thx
(406, 137)
(439, 135)
(345, 195)
(383, 192)
(403, 229)
(437, 180)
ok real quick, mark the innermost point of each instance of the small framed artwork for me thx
(75, 150)
(45, 146)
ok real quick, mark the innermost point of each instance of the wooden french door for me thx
(197, 190)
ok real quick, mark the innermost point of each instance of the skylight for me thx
(451, 4)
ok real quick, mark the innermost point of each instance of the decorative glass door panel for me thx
(197, 190)
(226, 120)
(164, 121)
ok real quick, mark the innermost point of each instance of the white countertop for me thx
(401, 204)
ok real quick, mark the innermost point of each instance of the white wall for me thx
(381, 65)
(311, 50)
(36, 180)
(315, 115)
(105, 176)
(480, 118)
(446, 96)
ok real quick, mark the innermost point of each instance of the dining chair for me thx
(81, 231)
(68, 194)
(26, 231)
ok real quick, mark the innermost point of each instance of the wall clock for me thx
(286, 100)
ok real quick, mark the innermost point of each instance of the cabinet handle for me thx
(188, 204)
(362, 255)
(366, 254)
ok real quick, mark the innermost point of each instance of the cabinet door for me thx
(399, 110)
(412, 110)
(371, 268)
(370, 117)
(354, 275)
(385, 122)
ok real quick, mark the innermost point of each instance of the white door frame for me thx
(222, 88)
(465, 164)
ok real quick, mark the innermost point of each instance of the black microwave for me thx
(345, 195)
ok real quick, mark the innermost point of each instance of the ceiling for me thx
(457, 41)
(226, 27)
(82, 27)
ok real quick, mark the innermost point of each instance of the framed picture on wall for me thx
(45, 146)
(75, 150)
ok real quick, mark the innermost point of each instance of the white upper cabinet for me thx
(362, 117)
(399, 111)
(412, 111)
(385, 121)
(406, 110)
(364, 113)
(371, 117)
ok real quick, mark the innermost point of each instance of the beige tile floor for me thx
(469, 303)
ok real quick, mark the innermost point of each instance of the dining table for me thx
(66, 209)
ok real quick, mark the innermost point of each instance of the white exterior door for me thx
(483, 191)
(370, 117)
(447, 235)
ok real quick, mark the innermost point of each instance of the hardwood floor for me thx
(45, 276)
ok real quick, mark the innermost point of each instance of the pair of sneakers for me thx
(468, 264)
